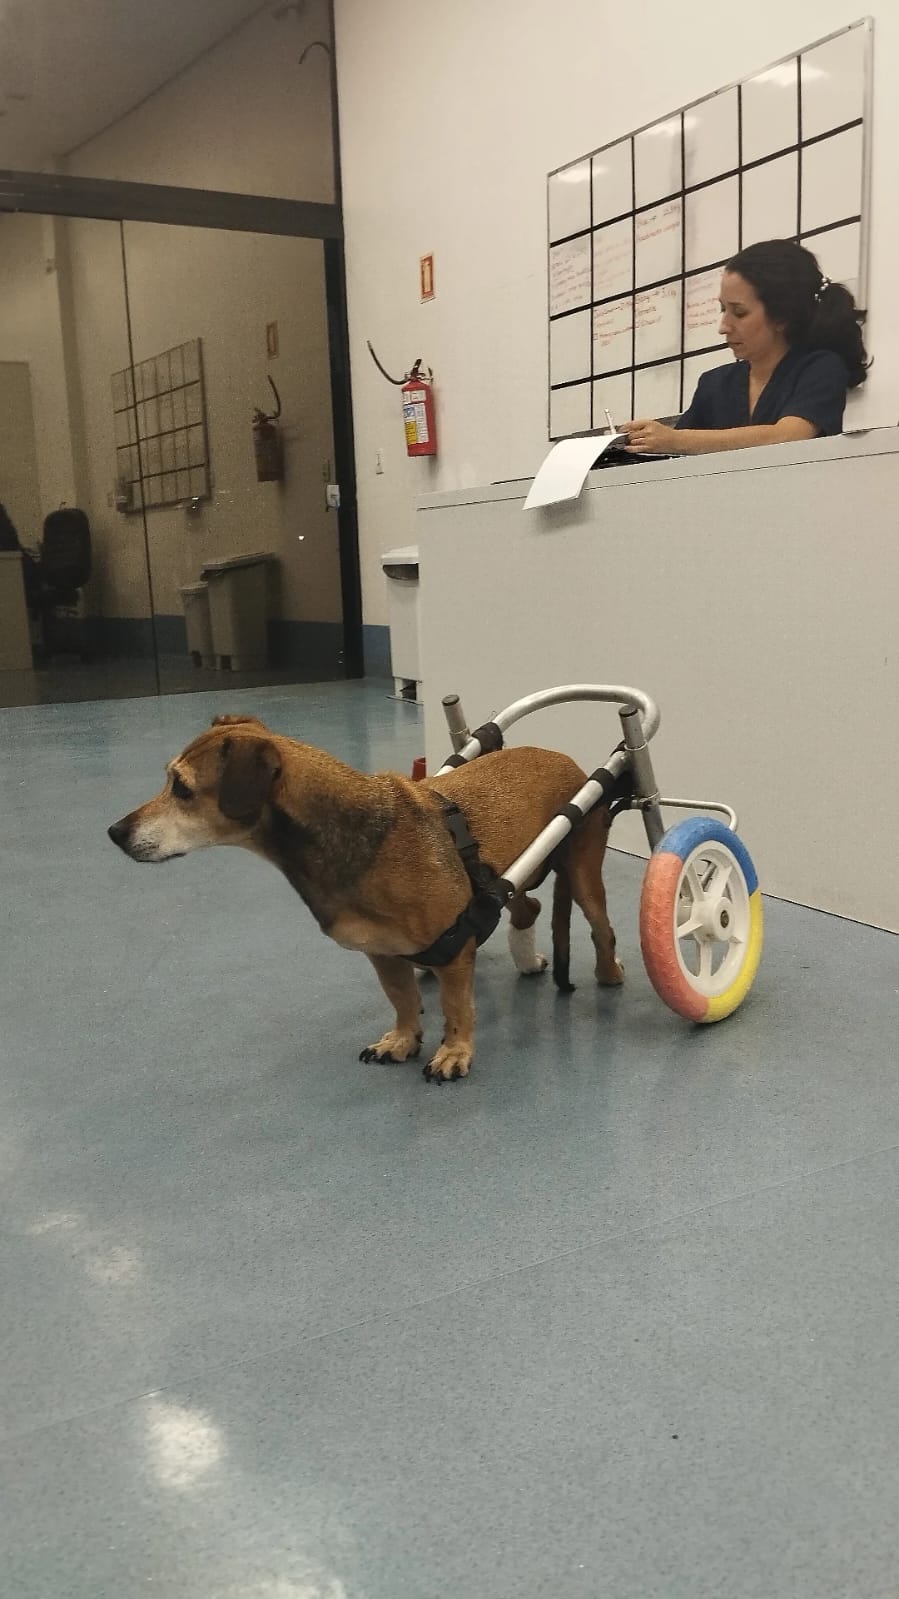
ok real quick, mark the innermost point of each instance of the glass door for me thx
(76, 616)
(229, 454)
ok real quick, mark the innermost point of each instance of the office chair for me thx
(65, 566)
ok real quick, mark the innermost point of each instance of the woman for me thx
(798, 346)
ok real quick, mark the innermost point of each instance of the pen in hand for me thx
(615, 431)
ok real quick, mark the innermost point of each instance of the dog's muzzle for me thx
(138, 848)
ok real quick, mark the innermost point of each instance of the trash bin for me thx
(238, 610)
(401, 570)
(195, 602)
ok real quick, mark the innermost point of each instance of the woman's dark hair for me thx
(815, 313)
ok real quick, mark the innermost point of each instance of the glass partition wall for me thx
(172, 384)
(76, 608)
(228, 453)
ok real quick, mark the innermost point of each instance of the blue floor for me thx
(618, 1316)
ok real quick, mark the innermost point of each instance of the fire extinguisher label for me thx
(416, 420)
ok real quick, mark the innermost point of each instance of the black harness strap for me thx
(490, 738)
(489, 895)
(455, 819)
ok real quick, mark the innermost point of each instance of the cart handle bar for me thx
(612, 694)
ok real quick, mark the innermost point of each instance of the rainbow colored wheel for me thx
(701, 920)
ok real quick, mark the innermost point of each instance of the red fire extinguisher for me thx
(268, 446)
(419, 413)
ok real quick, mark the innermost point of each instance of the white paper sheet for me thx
(564, 472)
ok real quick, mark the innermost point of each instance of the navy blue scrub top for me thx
(810, 384)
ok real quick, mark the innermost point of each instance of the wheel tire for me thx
(701, 900)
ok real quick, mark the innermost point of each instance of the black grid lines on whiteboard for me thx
(640, 229)
(162, 451)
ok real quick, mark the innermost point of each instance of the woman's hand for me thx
(650, 438)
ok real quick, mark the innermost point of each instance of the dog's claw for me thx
(442, 1068)
(391, 1050)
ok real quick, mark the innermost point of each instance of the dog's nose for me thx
(118, 832)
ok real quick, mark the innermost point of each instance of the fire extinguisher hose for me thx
(383, 370)
(398, 382)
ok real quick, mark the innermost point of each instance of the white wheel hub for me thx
(712, 918)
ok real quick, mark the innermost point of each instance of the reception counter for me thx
(753, 594)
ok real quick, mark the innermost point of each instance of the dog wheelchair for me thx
(701, 924)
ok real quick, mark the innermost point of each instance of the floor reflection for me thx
(68, 681)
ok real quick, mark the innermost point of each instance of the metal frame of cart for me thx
(701, 922)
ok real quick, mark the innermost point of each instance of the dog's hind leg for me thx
(403, 1041)
(584, 864)
(453, 1058)
(523, 913)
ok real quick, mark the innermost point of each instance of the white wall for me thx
(451, 116)
(30, 331)
(246, 117)
(20, 489)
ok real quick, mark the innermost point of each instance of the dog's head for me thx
(215, 793)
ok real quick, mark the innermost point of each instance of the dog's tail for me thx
(561, 925)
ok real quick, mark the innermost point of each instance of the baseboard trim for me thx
(309, 646)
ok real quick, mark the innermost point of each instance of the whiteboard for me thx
(711, 137)
(640, 229)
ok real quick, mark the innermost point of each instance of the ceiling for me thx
(70, 67)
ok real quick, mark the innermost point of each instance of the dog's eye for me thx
(180, 790)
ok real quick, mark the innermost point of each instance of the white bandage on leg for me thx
(523, 945)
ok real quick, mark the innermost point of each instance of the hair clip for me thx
(824, 284)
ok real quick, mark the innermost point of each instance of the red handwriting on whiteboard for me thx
(569, 275)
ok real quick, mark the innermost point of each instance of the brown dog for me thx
(373, 859)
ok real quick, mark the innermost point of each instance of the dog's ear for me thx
(250, 769)
(239, 721)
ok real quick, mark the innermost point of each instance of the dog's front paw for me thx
(393, 1048)
(450, 1061)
